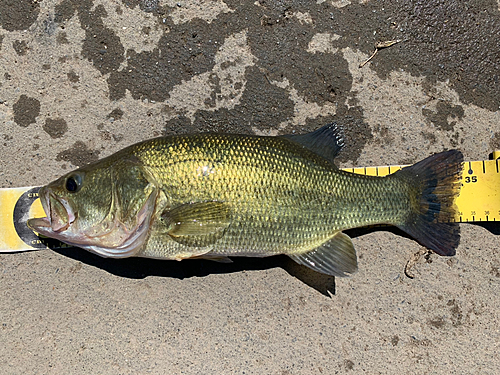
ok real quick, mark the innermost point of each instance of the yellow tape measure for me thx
(479, 200)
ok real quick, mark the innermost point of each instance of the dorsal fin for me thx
(326, 141)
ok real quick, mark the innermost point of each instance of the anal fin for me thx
(335, 257)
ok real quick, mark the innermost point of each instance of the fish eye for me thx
(74, 183)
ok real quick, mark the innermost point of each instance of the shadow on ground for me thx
(139, 268)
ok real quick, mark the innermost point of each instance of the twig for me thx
(412, 262)
(379, 46)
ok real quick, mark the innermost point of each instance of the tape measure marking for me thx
(21, 214)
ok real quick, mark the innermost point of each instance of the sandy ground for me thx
(81, 79)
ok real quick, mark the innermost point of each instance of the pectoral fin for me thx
(197, 224)
(336, 257)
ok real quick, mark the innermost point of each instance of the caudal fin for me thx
(435, 184)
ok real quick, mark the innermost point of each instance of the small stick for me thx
(412, 262)
(379, 46)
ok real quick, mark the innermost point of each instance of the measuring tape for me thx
(479, 200)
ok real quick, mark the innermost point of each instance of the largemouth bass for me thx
(219, 195)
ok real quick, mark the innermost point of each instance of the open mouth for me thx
(59, 214)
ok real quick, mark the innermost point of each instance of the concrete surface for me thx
(81, 79)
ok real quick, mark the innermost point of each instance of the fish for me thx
(216, 196)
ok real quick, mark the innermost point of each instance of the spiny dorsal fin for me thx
(335, 257)
(197, 224)
(326, 141)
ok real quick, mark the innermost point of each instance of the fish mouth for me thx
(59, 213)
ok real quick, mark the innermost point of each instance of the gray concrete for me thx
(81, 79)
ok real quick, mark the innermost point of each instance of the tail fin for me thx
(436, 183)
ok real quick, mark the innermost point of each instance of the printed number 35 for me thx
(469, 179)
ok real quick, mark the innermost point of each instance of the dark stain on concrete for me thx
(440, 43)
(395, 340)
(356, 132)
(115, 114)
(348, 364)
(78, 155)
(495, 141)
(187, 50)
(431, 137)
(456, 313)
(144, 5)
(444, 111)
(455, 40)
(179, 125)
(64, 11)
(20, 46)
(18, 14)
(101, 45)
(310, 125)
(62, 38)
(280, 42)
(56, 128)
(454, 139)
(277, 38)
(382, 135)
(262, 105)
(495, 270)
(73, 77)
(105, 135)
(26, 110)
(437, 322)
(46, 66)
